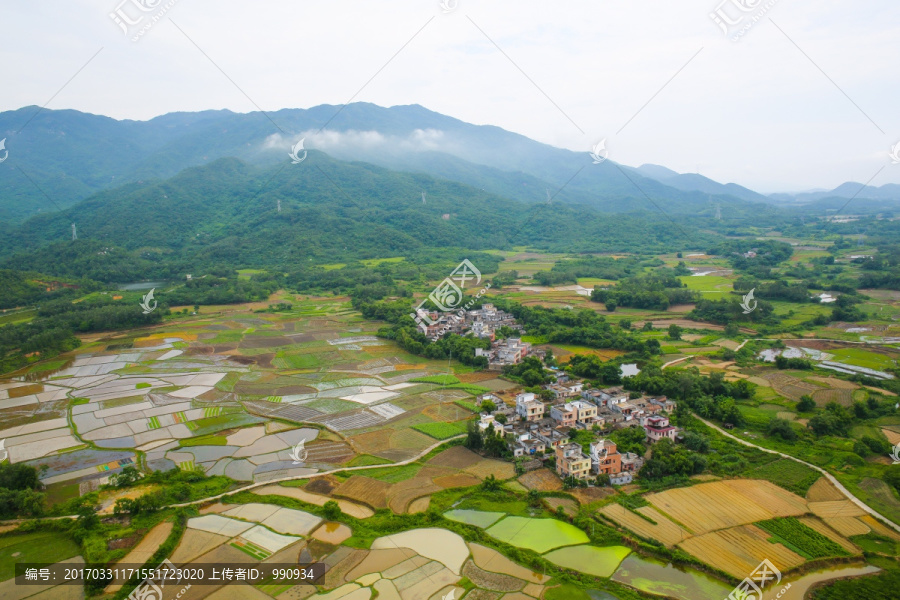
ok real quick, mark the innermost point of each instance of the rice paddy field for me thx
(205, 394)
(278, 398)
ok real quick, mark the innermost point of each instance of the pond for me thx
(600, 562)
(540, 535)
(139, 285)
(630, 370)
(800, 584)
(478, 518)
(664, 579)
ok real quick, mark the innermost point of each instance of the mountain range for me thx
(206, 187)
(59, 157)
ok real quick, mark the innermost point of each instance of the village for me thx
(485, 323)
(535, 429)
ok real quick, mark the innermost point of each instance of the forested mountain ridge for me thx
(227, 213)
(58, 158)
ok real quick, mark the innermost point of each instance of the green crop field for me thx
(42, 547)
(786, 473)
(436, 379)
(441, 431)
(801, 539)
(708, 283)
(863, 358)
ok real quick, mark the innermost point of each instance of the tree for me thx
(149, 503)
(675, 332)
(474, 439)
(781, 428)
(892, 476)
(127, 477)
(602, 480)
(488, 406)
(806, 404)
(18, 477)
(490, 484)
(648, 326)
(124, 506)
(549, 359)
(731, 414)
(332, 510)
(877, 445)
(629, 439)
(697, 442)
(573, 482)
(835, 420)
(87, 518)
(611, 305)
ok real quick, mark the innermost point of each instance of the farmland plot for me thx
(664, 530)
(364, 490)
(739, 550)
(836, 508)
(722, 504)
(831, 534)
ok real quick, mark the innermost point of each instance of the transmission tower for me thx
(74, 234)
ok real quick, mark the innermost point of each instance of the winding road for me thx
(830, 477)
(323, 473)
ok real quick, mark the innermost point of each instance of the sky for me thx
(798, 95)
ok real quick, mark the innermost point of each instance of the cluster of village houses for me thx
(534, 428)
(482, 323)
(532, 431)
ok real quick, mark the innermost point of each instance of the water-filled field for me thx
(658, 578)
(601, 562)
(478, 518)
(540, 535)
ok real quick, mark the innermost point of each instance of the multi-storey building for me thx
(528, 408)
(605, 458)
(570, 460)
(657, 427)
